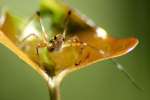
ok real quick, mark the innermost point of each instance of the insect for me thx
(57, 42)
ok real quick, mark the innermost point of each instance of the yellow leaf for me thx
(84, 45)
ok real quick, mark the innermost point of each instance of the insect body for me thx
(56, 43)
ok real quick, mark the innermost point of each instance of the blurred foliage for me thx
(122, 18)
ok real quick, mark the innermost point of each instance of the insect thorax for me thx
(56, 43)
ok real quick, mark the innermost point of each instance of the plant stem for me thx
(54, 89)
(54, 83)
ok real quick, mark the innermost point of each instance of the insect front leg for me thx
(30, 35)
(23, 44)
(40, 45)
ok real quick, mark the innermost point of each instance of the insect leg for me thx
(38, 14)
(40, 45)
(32, 34)
(75, 42)
(25, 38)
(66, 21)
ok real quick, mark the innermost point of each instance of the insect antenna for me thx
(30, 19)
(38, 14)
(121, 69)
(66, 21)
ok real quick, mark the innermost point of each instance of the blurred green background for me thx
(101, 81)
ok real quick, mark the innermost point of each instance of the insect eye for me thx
(38, 13)
(50, 41)
(55, 37)
(69, 12)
